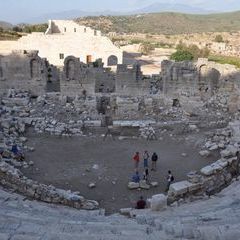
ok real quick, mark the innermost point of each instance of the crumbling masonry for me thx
(125, 91)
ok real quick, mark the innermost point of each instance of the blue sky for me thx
(19, 10)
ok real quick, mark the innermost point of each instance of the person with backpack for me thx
(146, 175)
(170, 179)
(154, 162)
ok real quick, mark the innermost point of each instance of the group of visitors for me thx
(146, 157)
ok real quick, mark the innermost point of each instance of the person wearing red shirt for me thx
(136, 159)
(141, 203)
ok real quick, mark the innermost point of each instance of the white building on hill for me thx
(65, 38)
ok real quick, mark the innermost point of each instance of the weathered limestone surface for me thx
(215, 218)
(158, 202)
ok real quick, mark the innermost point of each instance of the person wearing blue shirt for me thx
(136, 177)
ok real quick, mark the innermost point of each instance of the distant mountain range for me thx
(5, 25)
(156, 7)
(163, 7)
(156, 18)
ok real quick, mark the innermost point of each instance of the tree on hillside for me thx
(17, 29)
(182, 55)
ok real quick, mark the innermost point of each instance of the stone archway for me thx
(214, 77)
(112, 60)
(202, 83)
(35, 68)
(70, 69)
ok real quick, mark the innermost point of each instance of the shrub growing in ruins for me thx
(191, 52)
(17, 29)
(146, 48)
(182, 55)
(218, 39)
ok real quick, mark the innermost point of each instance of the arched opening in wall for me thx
(176, 103)
(214, 76)
(34, 68)
(102, 104)
(101, 88)
(203, 84)
(70, 70)
(1, 72)
(112, 60)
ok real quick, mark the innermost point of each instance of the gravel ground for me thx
(69, 163)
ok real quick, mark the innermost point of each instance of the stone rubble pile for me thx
(219, 101)
(147, 132)
(17, 113)
(49, 113)
(226, 140)
(214, 177)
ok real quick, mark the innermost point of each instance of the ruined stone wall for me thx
(104, 80)
(77, 78)
(130, 81)
(179, 78)
(197, 79)
(128, 89)
(23, 70)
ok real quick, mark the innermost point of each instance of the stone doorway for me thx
(89, 58)
(103, 103)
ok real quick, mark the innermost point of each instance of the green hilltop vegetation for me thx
(10, 32)
(165, 23)
(225, 60)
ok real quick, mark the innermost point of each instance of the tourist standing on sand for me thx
(170, 179)
(154, 162)
(136, 159)
(145, 159)
(146, 175)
